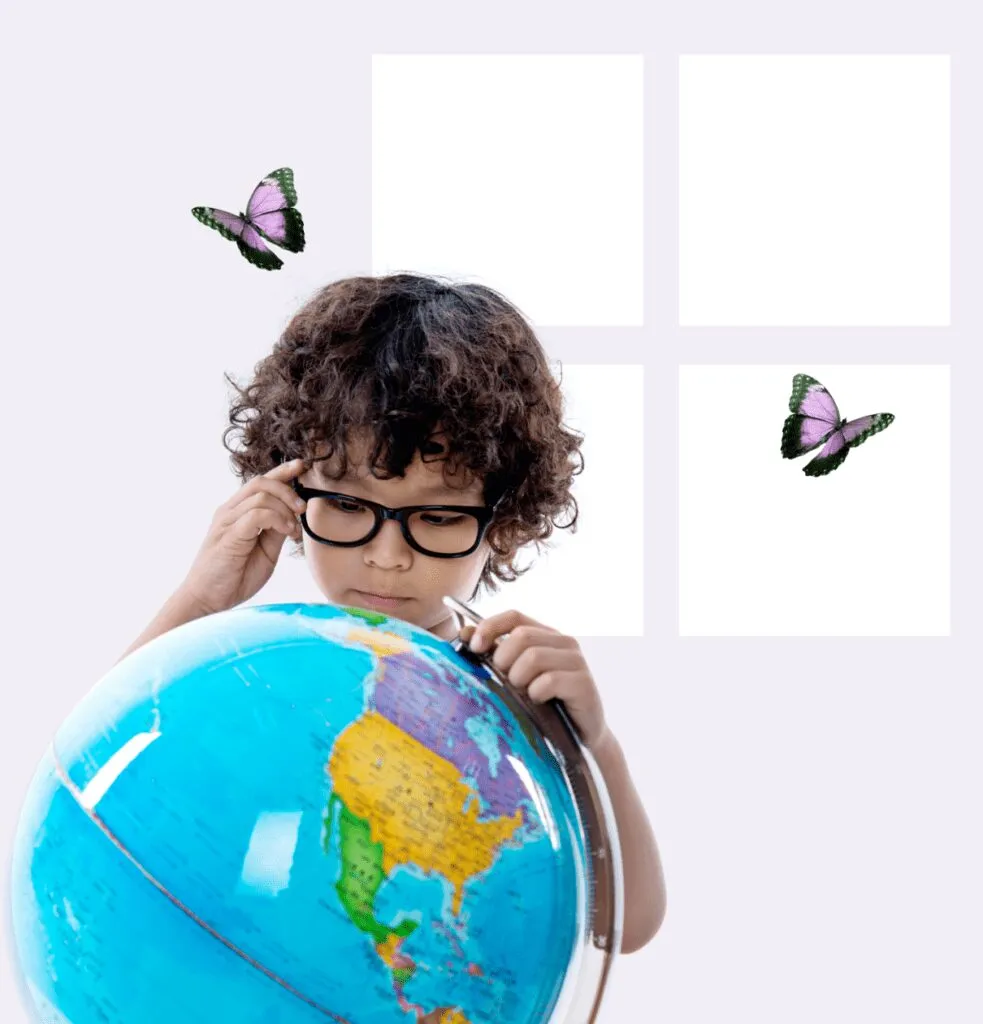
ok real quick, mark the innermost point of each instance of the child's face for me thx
(387, 564)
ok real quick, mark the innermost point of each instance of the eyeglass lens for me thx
(345, 520)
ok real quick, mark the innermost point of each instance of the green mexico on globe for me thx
(293, 813)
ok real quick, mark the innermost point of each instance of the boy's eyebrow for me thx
(437, 487)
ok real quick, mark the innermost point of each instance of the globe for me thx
(293, 813)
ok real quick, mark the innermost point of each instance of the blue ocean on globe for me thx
(292, 814)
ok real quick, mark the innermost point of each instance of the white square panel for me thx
(765, 550)
(521, 171)
(814, 189)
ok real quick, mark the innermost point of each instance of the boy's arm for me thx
(644, 883)
(177, 610)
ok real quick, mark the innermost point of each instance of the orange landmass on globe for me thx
(381, 644)
(416, 806)
(445, 1017)
(389, 953)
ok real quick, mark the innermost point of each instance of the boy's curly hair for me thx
(404, 355)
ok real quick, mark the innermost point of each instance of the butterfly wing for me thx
(237, 229)
(848, 436)
(270, 211)
(832, 455)
(814, 417)
(227, 224)
(857, 431)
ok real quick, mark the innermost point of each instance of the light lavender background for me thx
(813, 797)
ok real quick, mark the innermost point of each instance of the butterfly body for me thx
(816, 421)
(270, 214)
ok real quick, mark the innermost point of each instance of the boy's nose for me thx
(388, 548)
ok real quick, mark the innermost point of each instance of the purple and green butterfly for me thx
(270, 214)
(816, 421)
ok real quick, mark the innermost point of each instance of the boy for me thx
(384, 393)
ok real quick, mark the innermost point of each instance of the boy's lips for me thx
(388, 598)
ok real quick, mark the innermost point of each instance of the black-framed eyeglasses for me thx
(440, 531)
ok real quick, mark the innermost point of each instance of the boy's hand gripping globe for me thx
(299, 813)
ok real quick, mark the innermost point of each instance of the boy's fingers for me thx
(498, 625)
(285, 470)
(276, 482)
(544, 641)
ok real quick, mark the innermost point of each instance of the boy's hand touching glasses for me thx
(243, 543)
(546, 664)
